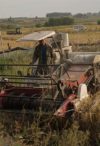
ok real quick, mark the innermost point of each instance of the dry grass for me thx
(85, 37)
(91, 35)
(84, 130)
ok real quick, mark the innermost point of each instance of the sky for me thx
(32, 8)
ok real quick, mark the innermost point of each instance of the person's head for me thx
(41, 41)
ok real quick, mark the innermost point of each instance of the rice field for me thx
(90, 36)
(84, 128)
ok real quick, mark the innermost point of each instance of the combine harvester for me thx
(73, 77)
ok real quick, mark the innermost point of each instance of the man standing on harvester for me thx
(44, 55)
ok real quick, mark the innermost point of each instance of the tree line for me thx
(68, 14)
(59, 21)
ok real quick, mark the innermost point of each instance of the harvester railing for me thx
(18, 74)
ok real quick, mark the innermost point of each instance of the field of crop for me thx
(90, 36)
(83, 129)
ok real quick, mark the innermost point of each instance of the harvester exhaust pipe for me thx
(66, 49)
(65, 38)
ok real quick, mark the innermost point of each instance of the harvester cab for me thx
(58, 41)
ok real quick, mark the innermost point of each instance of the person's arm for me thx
(51, 53)
(50, 50)
(35, 55)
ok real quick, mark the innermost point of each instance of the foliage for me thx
(59, 21)
(80, 15)
(39, 25)
(84, 130)
(74, 137)
(89, 118)
(98, 22)
(67, 14)
(58, 14)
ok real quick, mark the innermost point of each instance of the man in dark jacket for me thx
(44, 55)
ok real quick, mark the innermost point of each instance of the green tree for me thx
(59, 21)
(98, 22)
